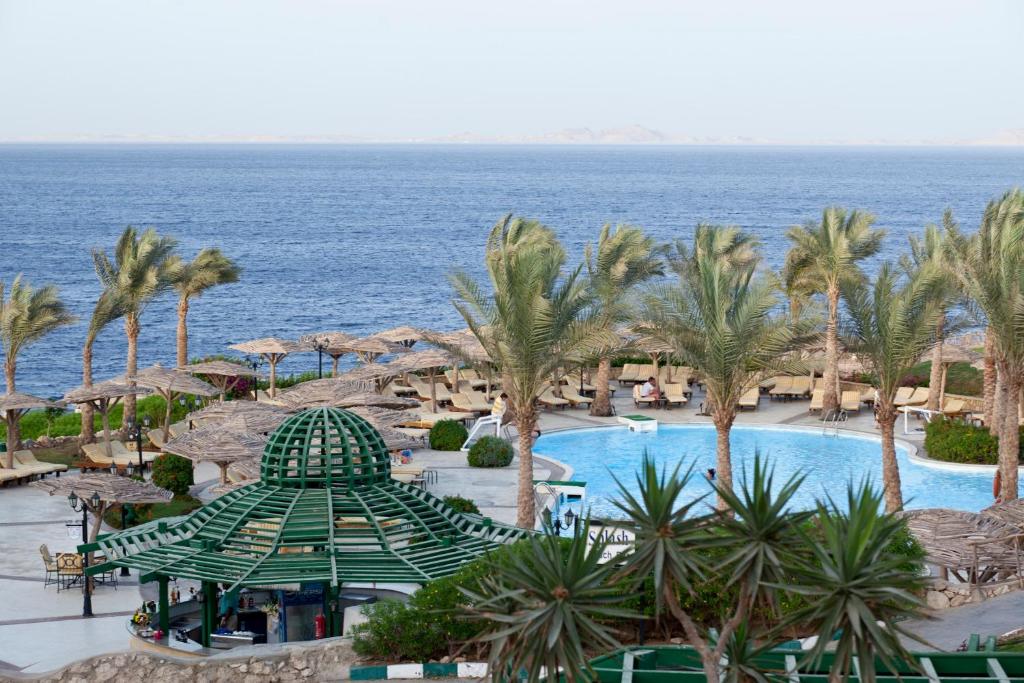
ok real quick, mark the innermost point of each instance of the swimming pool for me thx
(827, 461)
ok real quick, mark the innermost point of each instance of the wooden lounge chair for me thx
(156, 437)
(850, 401)
(641, 401)
(954, 407)
(400, 389)
(750, 398)
(903, 395)
(800, 388)
(817, 401)
(28, 460)
(868, 395)
(9, 475)
(675, 394)
(769, 383)
(423, 390)
(571, 394)
(470, 402)
(781, 387)
(919, 397)
(628, 373)
(178, 428)
(548, 399)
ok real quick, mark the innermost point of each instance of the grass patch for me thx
(38, 423)
(64, 455)
(179, 505)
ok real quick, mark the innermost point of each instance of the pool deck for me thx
(41, 630)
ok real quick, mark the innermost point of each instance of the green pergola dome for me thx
(325, 447)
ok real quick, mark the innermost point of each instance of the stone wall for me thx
(325, 660)
(943, 594)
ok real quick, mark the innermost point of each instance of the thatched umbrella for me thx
(13, 406)
(333, 343)
(170, 384)
(369, 349)
(655, 348)
(222, 374)
(430, 360)
(395, 440)
(108, 489)
(950, 354)
(338, 393)
(274, 350)
(258, 417)
(102, 397)
(405, 336)
(220, 444)
(464, 345)
(381, 417)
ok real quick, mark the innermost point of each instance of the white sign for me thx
(618, 540)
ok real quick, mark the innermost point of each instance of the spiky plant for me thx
(143, 267)
(532, 319)
(26, 316)
(891, 323)
(621, 261)
(208, 269)
(824, 256)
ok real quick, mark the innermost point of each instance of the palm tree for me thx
(622, 260)
(930, 250)
(26, 316)
(546, 606)
(891, 323)
(144, 266)
(535, 319)
(989, 267)
(823, 257)
(109, 307)
(719, 319)
(208, 269)
(856, 587)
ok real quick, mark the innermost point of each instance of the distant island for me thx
(635, 134)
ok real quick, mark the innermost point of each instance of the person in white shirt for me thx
(650, 389)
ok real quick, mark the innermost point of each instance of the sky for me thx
(783, 70)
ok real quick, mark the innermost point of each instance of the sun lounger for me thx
(769, 382)
(675, 394)
(472, 402)
(641, 401)
(817, 401)
(850, 401)
(156, 437)
(868, 395)
(178, 428)
(28, 459)
(954, 407)
(400, 389)
(570, 394)
(548, 399)
(423, 390)
(97, 458)
(800, 387)
(781, 387)
(630, 373)
(9, 475)
(903, 395)
(919, 397)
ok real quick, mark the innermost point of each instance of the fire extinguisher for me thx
(321, 626)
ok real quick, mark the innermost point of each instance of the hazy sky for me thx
(779, 70)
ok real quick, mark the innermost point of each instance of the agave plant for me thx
(544, 607)
(855, 588)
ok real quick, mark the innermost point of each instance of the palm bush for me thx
(448, 435)
(460, 504)
(173, 472)
(490, 451)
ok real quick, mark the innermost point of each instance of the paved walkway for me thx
(951, 627)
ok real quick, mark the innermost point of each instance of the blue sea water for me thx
(361, 238)
(599, 456)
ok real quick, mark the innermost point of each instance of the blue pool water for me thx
(828, 462)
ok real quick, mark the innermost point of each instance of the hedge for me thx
(952, 441)
(490, 451)
(448, 435)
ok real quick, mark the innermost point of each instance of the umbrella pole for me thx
(169, 397)
(272, 358)
(223, 472)
(105, 412)
(433, 391)
(9, 455)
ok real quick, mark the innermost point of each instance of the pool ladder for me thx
(832, 420)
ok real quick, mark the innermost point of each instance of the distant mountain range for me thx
(635, 134)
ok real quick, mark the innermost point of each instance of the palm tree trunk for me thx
(935, 377)
(88, 432)
(182, 333)
(995, 424)
(990, 377)
(1009, 436)
(890, 467)
(830, 377)
(723, 419)
(13, 421)
(131, 366)
(602, 405)
(526, 421)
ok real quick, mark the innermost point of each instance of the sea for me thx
(363, 238)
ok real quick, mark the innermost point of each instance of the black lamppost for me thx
(320, 345)
(79, 505)
(572, 521)
(255, 364)
(135, 430)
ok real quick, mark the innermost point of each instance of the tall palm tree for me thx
(990, 266)
(824, 255)
(208, 269)
(26, 316)
(929, 250)
(891, 323)
(535, 318)
(109, 307)
(720, 320)
(144, 266)
(621, 260)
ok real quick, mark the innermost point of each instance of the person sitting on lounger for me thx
(650, 389)
(498, 407)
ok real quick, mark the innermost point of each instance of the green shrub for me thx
(959, 442)
(172, 472)
(490, 451)
(448, 435)
(961, 378)
(460, 504)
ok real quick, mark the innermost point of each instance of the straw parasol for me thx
(950, 354)
(334, 343)
(430, 360)
(464, 345)
(220, 444)
(405, 336)
(369, 349)
(258, 417)
(274, 350)
(110, 489)
(655, 348)
(13, 406)
(339, 393)
(222, 374)
(381, 417)
(102, 397)
(170, 384)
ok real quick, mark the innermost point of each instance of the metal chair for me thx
(49, 566)
(69, 570)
